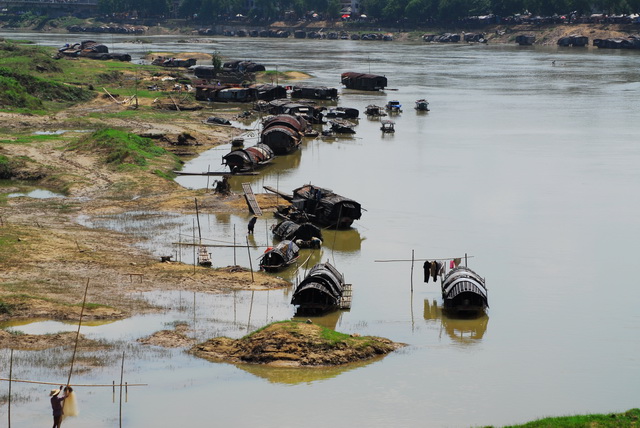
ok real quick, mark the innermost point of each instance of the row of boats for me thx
(312, 208)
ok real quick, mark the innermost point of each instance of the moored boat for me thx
(204, 258)
(341, 126)
(387, 126)
(464, 292)
(248, 159)
(283, 133)
(279, 257)
(325, 207)
(394, 106)
(305, 235)
(422, 105)
(363, 81)
(374, 110)
(320, 291)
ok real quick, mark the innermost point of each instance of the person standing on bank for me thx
(57, 399)
(252, 224)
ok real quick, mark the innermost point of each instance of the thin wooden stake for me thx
(121, 376)
(250, 309)
(9, 399)
(235, 263)
(75, 347)
(250, 263)
(412, 259)
(194, 248)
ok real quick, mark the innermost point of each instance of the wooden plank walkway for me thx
(251, 199)
(345, 300)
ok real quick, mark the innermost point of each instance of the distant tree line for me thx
(412, 12)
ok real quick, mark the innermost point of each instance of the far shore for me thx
(545, 34)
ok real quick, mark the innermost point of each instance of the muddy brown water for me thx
(530, 168)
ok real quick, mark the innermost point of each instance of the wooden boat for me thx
(363, 81)
(387, 126)
(249, 159)
(204, 258)
(464, 292)
(326, 208)
(320, 291)
(340, 126)
(422, 105)
(374, 110)
(279, 257)
(394, 106)
(283, 133)
(304, 232)
(342, 113)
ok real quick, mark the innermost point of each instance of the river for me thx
(528, 167)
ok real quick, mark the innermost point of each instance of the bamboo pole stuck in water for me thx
(121, 376)
(194, 248)
(250, 263)
(412, 261)
(9, 399)
(75, 347)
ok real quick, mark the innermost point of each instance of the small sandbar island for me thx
(295, 344)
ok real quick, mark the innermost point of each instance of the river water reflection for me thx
(530, 168)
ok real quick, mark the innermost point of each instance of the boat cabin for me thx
(320, 291)
(387, 126)
(279, 257)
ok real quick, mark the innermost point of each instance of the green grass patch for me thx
(630, 418)
(119, 148)
(5, 308)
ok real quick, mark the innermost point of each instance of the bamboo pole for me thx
(250, 309)
(75, 347)
(250, 263)
(121, 376)
(9, 399)
(194, 248)
(412, 260)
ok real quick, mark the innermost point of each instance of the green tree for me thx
(333, 9)
(394, 10)
(418, 11)
(452, 10)
(373, 8)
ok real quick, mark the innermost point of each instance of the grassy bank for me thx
(630, 418)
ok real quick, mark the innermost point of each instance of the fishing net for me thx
(70, 405)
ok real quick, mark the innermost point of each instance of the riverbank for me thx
(546, 34)
(49, 255)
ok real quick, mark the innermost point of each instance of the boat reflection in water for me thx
(466, 331)
(281, 167)
(345, 240)
(329, 320)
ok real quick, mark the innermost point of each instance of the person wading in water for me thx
(57, 398)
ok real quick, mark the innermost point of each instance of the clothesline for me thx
(421, 260)
(74, 385)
